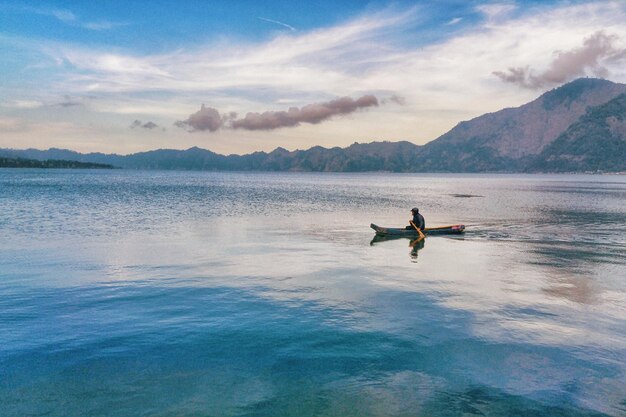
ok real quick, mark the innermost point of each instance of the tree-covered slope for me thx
(596, 142)
(48, 163)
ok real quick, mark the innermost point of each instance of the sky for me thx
(244, 76)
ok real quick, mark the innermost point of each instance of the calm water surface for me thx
(234, 294)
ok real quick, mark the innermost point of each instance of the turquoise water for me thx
(184, 293)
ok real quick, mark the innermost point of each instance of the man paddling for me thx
(418, 219)
(418, 223)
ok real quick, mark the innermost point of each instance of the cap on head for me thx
(415, 210)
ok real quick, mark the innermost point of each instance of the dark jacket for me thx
(419, 221)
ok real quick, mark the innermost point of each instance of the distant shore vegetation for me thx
(50, 163)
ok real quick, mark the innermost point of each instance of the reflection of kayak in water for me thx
(416, 243)
(444, 230)
(386, 238)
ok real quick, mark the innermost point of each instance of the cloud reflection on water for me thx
(210, 283)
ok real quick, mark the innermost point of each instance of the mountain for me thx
(596, 142)
(577, 127)
(509, 139)
(375, 156)
(63, 155)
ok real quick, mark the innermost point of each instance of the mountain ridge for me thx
(564, 129)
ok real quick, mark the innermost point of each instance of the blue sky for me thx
(167, 24)
(240, 76)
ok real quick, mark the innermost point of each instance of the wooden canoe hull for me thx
(444, 230)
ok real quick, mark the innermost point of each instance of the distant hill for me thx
(512, 139)
(48, 163)
(596, 142)
(63, 155)
(574, 128)
(376, 156)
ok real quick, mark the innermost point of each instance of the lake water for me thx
(192, 293)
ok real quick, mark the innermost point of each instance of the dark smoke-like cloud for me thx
(312, 113)
(69, 104)
(399, 100)
(147, 125)
(69, 101)
(208, 118)
(589, 58)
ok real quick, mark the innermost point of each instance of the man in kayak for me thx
(418, 219)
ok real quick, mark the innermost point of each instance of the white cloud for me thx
(26, 104)
(102, 64)
(497, 10)
(588, 59)
(346, 59)
(319, 61)
(68, 17)
(443, 83)
(101, 25)
(64, 16)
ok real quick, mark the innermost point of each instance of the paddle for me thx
(419, 232)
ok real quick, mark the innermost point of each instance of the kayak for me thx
(443, 230)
